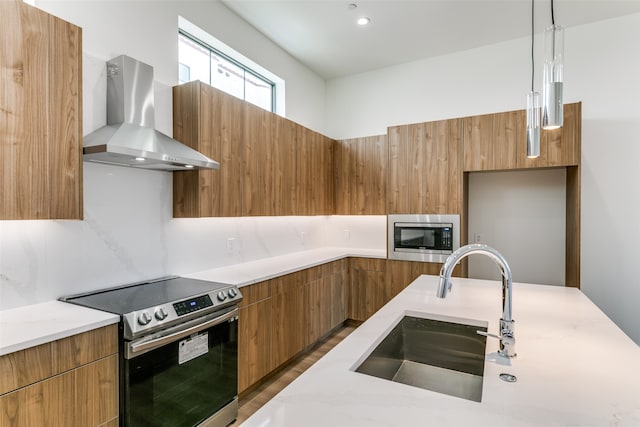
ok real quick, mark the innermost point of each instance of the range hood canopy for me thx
(129, 138)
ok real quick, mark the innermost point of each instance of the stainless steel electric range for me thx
(178, 350)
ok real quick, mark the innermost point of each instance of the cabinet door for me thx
(367, 279)
(400, 274)
(86, 396)
(289, 314)
(208, 121)
(491, 141)
(558, 147)
(258, 162)
(254, 343)
(425, 168)
(284, 142)
(41, 123)
(360, 169)
(314, 153)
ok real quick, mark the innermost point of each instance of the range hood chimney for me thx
(129, 138)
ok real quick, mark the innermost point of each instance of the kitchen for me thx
(128, 233)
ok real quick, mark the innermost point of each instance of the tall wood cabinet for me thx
(69, 382)
(40, 115)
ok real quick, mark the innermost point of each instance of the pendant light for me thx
(552, 114)
(533, 107)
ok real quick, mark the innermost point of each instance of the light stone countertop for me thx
(264, 269)
(574, 366)
(36, 324)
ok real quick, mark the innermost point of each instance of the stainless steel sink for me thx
(440, 354)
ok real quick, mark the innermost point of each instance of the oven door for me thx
(184, 375)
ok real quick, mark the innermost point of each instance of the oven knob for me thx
(161, 313)
(144, 318)
(222, 295)
(232, 293)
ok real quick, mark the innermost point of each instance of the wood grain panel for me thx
(367, 281)
(77, 350)
(64, 168)
(284, 142)
(40, 115)
(258, 178)
(25, 367)
(254, 345)
(87, 396)
(506, 138)
(478, 143)
(96, 392)
(23, 106)
(425, 168)
(573, 218)
(186, 194)
(360, 168)
(558, 147)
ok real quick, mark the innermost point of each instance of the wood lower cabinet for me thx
(40, 115)
(280, 317)
(69, 382)
(367, 287)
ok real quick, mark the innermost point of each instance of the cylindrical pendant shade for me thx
(552, 115)
(533, 124)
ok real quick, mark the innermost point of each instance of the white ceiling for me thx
(323, 35)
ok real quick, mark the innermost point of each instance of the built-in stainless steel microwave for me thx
(426, 238)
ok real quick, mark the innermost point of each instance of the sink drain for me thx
(508, 378)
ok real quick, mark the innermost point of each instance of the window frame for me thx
(246, 69)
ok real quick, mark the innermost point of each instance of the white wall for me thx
(601, 70)
(524, 218)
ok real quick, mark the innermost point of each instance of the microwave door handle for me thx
(134, 348)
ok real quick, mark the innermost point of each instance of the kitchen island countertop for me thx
(574, 367)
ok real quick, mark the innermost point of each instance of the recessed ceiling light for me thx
(363, 21)
(352, 6)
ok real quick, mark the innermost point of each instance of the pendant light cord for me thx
(553, 21)
(532, 37)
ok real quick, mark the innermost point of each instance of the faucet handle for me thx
(507, 341)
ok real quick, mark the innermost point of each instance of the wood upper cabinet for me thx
(360, 173)
(208, 121)
(69, 382)
(269, 166)
(559, 147)
(498, 142)
(40, 115)
(490, 141)
(314, 178)
(425, 168)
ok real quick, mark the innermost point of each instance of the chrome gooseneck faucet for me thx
(506, 337)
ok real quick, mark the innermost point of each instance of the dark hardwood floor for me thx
(256, 398)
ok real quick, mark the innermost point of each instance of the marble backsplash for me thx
(128, 235)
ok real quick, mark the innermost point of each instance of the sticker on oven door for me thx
(193, 347)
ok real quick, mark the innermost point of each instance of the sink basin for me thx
(437, 353)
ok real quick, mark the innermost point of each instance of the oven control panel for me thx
(192, 304)
(162, 316)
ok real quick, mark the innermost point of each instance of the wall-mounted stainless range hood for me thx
(129, 138)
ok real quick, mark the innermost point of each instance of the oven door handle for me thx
(134, 348)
